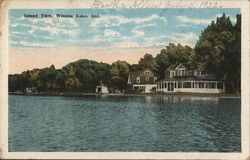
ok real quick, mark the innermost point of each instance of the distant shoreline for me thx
(79, 94)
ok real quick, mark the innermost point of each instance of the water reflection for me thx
(176, 99)
(148, 99)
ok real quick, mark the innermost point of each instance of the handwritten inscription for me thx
(155, 4)
(134, 4)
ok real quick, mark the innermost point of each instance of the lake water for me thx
(123, 123)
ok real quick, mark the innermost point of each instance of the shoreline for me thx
(80, 94)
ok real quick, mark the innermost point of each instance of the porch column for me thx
(216, 85)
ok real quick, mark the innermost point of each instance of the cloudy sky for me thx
(125, 34)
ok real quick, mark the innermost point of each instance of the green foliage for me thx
(16, 83)
(118, 75)
(148, 61)
(134, 68)
(72, 83)
(88, 72)
(83, 75)
(172, 56)
(218, 50)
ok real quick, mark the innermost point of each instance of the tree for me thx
(134, 68)
(173, 55)
(89, 73)
(72, 83)
(148, 61)
(46, 80)
(16, 83)
(59, 80)
(218, 50)
(118, 74)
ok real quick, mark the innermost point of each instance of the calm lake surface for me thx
(123, 123)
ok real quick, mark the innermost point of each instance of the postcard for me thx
(119, 79)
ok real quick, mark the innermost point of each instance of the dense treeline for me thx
(217, 50)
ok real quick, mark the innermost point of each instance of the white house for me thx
(180, 79)
(143, 81)
(102, 88)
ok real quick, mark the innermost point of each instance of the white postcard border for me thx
(59, 4)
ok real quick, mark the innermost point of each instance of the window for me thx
(201, 85)
(147, 72)
(179, 84)
(203, 72)
(138, 80)
(219, 85)
(172, 74)
(186, 85)
(183, 72)
(179, 72)
(146, 79)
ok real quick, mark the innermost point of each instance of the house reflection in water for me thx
(175, 99)
(148, 99)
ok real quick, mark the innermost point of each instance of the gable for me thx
(146, 73)
(180, 66)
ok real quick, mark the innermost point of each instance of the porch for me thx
(191, 86)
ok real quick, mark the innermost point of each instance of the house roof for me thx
(180, 66)
(141, 73)
(172, 67)
(175, 66)
(143, 76)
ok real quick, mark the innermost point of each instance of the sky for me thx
(117, 34)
